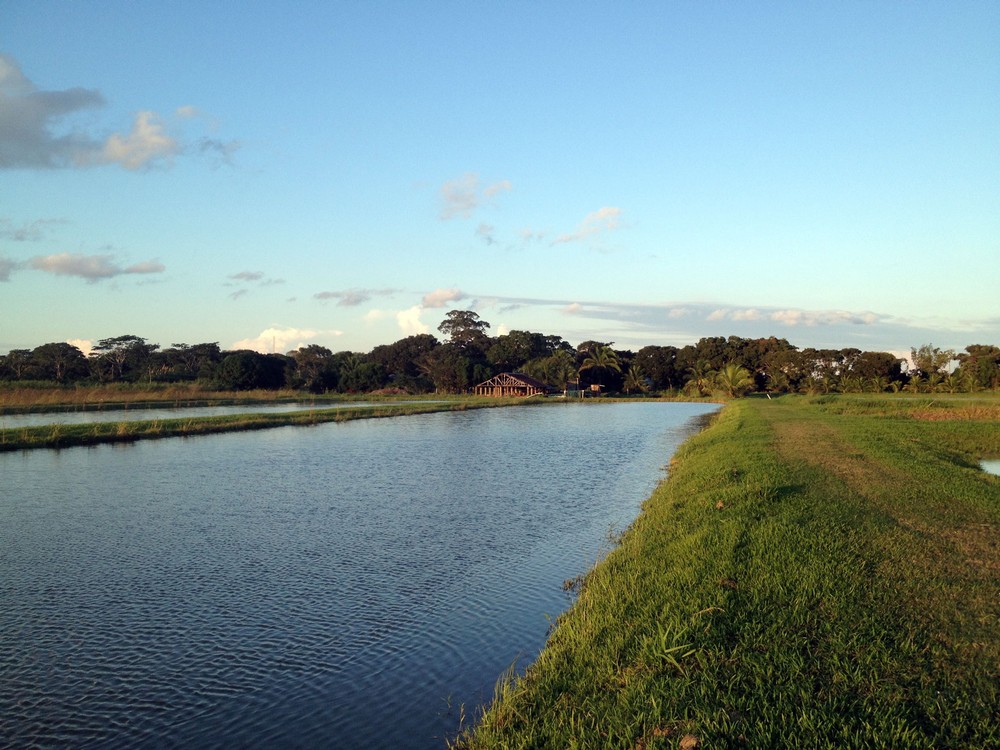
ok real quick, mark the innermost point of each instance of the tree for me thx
(659, 363)
(557, 370)
(465, 330)
(735, 380)
(121, 358)
(447, 368)
(358, 374)
(17, 363)
(314, 368)
(58, 361)
(635, 379)
(247, 370)
(511, 351)
(930, 360)
(701, 377)
(399, 361)
(189, 361)
(601, 359)
(979, 366)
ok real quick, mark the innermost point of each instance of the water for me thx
(349, 585)
(991, 465)
(161, 412)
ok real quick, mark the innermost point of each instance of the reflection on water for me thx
(161, 412)
(348, 585)
(991, 465)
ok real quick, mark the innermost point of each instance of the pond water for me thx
(343, 585)
(991, 465)
(161, 412)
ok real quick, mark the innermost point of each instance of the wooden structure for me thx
(511, 384)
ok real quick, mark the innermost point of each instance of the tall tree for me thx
(931, 360)
(465, 329)
(121, 357)
(58, 361)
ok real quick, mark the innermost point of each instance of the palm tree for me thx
(734, 379)
(701, 376)
(601, 358)
(635, 380)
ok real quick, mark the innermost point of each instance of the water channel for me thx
(360, 584)
(163, 412)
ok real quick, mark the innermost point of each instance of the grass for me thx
(815, 572)
(50, 397)
(68, 435)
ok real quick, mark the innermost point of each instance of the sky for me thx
(272, 175)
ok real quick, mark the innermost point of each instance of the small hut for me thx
(511, 384)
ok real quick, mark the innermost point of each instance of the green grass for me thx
(815, 573)
(68, 435)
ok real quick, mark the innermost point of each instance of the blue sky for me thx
(644, 173)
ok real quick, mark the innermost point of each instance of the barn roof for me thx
(509, 379)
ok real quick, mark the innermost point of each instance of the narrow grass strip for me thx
(68, 435)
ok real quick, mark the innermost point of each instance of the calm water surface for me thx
(348, 585)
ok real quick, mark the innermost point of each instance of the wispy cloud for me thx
(485, 232)
(90, 267)
(442, 297)
(29, 118)
(247, 276)
(250, 277)
(463, 195)
(32, 231)
(353, 297)
(7, 267)
(602, 220)
(794, 317)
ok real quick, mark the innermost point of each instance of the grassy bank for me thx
(17, 399)
(68, 435)
(815, 573)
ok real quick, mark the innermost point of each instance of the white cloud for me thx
(442, 297)
(279, 339)
(90, 267)
(147, 143)
(603, 219)
(29, 116)
(463, 195)
(409, 321)
(84, 345)
(574, 308)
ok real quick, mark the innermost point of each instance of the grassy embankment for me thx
(815, 572)
(68, 435)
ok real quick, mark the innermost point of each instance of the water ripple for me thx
(350, 585)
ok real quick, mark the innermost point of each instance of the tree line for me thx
(468, 355)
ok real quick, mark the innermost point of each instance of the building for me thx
(512, 384)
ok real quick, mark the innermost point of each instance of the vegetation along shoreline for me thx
(816, 572)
